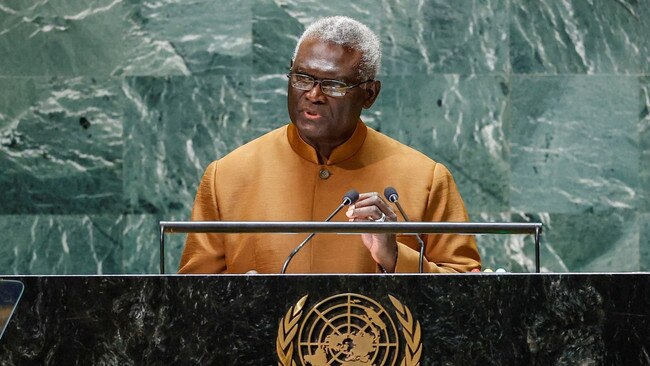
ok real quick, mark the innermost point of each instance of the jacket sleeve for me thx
(449, 253)
(204, 252)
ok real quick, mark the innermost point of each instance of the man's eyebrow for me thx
(302, 72)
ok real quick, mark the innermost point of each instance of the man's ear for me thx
(372, 91)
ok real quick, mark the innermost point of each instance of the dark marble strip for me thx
(232, 320)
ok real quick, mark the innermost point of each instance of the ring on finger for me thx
(381, 219)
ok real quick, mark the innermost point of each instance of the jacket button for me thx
(324, 174)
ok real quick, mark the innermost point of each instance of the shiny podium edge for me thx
(292, 227)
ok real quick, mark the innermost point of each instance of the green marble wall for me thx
(111, 109)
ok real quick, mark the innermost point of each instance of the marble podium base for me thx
(532, 319)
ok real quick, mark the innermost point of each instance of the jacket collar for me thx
(339, 154)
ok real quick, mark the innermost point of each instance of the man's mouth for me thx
(311, 114)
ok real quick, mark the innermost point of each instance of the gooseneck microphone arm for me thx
(391, 194)
(349, 198)
(394, 197)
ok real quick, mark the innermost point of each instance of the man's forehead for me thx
(318, 64)
(318, 55)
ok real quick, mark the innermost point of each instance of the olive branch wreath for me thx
(412, 334)
(286, 331)
(289, 326)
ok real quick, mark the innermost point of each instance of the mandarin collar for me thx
(339, 154)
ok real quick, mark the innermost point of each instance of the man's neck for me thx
(323, 151)
(327, 153)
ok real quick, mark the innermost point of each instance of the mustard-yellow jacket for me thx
(277, 177)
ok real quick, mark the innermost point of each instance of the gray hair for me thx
(347, 32)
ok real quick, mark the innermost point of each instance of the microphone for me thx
(391, 194)
(349, 198)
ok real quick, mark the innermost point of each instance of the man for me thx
(301, 171)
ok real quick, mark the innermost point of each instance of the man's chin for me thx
(308, 130)
(305, 125)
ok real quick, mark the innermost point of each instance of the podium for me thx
(426, 319)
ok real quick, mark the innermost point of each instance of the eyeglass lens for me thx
(329, 87)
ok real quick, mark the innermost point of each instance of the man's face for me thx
(323, 120)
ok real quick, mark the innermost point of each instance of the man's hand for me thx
(382, 247)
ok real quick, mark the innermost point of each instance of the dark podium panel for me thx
(470, 319)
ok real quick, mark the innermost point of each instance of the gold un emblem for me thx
(348, 330)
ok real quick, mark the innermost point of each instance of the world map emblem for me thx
(348, 330)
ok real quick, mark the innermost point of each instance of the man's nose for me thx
(315, 94)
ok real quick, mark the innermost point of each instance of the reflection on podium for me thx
(10, 292)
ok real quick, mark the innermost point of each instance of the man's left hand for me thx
(382, 247)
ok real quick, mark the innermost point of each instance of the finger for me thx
(373, 198)
(367, 198)
(370, 212)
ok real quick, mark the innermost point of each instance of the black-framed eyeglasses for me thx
(333, 88)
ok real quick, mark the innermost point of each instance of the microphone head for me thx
(391, 194)
(350, 197)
